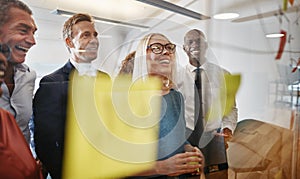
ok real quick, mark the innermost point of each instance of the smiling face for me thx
(18, 33)
(195, 46)
(160, 64)
(84, 42)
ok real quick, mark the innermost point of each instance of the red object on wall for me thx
(296, 67)
(281, 45)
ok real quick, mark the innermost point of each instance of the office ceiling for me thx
(140, 13)
(247, 37)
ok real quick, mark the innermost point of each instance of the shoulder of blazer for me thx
(67, 68)
(61, 74)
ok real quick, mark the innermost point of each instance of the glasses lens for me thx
(156, 48)
(5, 50)
(170, 47)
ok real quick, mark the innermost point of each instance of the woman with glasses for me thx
(156, 56)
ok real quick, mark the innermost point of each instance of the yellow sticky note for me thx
(232, 83)
(112, 127)
(222, 98)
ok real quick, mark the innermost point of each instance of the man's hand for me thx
(227, 136)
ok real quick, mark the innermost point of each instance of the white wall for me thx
(239, 47)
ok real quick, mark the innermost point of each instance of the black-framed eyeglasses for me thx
(5, 50)
(158, 48)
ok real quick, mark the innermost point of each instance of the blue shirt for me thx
(172, 125)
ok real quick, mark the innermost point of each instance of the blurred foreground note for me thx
(232, 84)
(222, 103)
(112, 128)
(223, 98)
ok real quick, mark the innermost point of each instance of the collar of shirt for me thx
(192, 68)
(84, 68)
(22, 67)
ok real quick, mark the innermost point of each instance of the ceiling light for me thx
(104, 20)
(225, 16)
(274, 35)
(174, 8)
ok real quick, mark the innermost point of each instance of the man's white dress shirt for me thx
(213, 96)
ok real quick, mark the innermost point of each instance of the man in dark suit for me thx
(50, 101)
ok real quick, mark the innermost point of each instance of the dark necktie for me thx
(198, 111)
